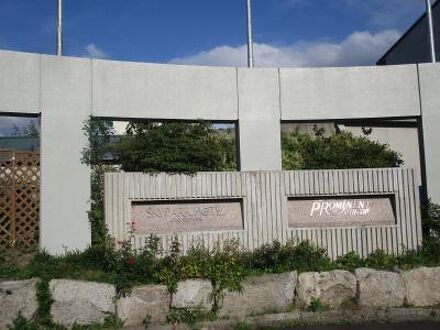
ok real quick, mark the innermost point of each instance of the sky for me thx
(300, 33)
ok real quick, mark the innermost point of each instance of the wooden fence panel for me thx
(19, 198)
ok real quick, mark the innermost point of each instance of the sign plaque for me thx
(186, 216)
(341, 211)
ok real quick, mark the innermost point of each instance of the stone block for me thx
(81, 302)
(17, 297)
(148, 300)
(332, 288)
(262, 294)
(423, 286)
(193, 294)
(379, 289)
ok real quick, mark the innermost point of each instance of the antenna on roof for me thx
(59, 27)
(430, 30)
(250, 46)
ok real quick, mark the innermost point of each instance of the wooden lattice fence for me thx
(19, 198)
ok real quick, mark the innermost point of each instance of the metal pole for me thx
(430, 30)
(250, 46)
(59, 27)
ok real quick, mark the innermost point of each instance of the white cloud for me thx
(359, 48)
(93, 51)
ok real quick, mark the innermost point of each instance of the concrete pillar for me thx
(429, 79)
(65, 182)
(259, 119)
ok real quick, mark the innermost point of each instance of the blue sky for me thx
(211, 32)
(188, 31)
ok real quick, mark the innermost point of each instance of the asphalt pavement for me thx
(374, 326)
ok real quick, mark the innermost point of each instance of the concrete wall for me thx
(265, 212)
(66, 91)
(65, 182)
(349, 93)
(429, 75)
(404, 140)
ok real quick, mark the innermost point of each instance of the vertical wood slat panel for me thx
(264, 205)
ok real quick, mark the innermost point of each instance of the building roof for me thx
(407, 32)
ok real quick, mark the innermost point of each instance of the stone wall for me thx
(86, 302)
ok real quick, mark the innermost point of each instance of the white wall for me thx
(68, 90)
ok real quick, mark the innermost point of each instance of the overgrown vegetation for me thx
(335, 151)
(316, 305)
(176, 147)
(94, 154)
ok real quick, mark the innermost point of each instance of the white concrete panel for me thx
(352, 92)
(430, 101)
(404, 140)
(137, 90)
(19, 82)
(259, 124)
(65, 182)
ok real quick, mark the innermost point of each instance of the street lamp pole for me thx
(59, 46)
(250, 46)
(430, 30)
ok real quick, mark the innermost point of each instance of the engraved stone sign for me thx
(186, 216)
(341, 211)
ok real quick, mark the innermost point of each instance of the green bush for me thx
(350, 261)
(336, 151)
(277, 258)
(174, 147)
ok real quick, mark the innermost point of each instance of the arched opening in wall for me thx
(19, 182)
(153, 146)
(354, 143)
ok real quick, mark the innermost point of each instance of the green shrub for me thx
(317, 305)
(277, 258)
(225, 271)
(174, 147)
(342, 150)
(350, 261)
(170, 268)
(431, 220)
(380, 260)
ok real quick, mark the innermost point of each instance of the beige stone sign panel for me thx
(345, 211)
(186, 216)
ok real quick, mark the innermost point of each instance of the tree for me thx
(30, 130)
(174, 147)
(342, 150)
